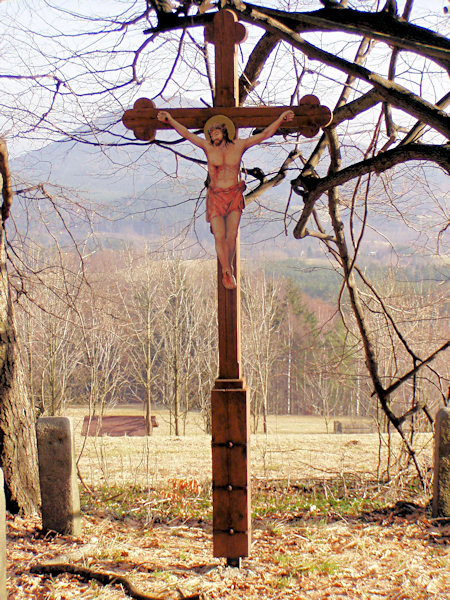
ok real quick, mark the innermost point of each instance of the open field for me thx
(296, 448)
(278, 424)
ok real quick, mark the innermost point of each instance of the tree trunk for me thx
(18, 454)
(176, 408)
(148, 370)
(18, 451)
(265, 414)
(148, 392)
(148, 410)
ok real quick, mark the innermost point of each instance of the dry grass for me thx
(298, 557)
(340, 537)
(297, 448)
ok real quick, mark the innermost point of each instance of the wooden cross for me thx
(229, 401)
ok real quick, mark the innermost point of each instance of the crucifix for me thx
(229, 399)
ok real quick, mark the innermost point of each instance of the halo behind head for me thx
(219, 121)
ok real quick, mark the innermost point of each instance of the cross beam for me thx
(310, 116)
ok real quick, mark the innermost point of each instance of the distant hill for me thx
(317, 279)
(140, 192)
(136, 197)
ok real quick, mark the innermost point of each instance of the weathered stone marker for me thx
(57, 475)
(441, 483)
(2, 539)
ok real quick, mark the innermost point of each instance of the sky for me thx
(20, 50)
(34, 13)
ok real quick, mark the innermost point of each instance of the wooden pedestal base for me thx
(231, 486)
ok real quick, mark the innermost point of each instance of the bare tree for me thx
(261, 348)
(384, 75)
(49, 342)
(18, 452)
(139, 289)
(205, 358)
(178, 332)
(100, 376)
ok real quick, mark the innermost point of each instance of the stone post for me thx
(57, 475)
(2, 539)
(441, 481)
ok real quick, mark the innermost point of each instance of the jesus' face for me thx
(217, 136)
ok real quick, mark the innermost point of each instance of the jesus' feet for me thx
(228, 280)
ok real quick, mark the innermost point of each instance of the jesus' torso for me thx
(224, 164)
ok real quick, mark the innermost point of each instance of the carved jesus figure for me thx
(224, 198)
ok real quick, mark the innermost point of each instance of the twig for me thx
(410, 373)
(84, 484)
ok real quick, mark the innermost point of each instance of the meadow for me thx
(296, 448)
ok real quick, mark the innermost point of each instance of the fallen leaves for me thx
(394, 552)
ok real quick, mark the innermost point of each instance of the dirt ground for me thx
(395, 553)
(321, 527)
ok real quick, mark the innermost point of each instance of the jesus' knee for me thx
(230, 240)
(220, 240)
(219, 237)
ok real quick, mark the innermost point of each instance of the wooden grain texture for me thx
(225, 32)
(231, 546)
(229, 322)
(234, 516)
(231, 481)
(230, 466)
(309, 117)
(229, 384)
(229, 416)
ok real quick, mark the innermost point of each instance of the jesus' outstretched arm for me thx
(270, 130)
(166, 117)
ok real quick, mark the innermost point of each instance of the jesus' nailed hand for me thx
(224, 199)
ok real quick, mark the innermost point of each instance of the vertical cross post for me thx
(229, 401)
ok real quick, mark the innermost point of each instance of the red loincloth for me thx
(220, 202)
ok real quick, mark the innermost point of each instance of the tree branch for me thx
(380, 26)
(342, 112)
(418, 128)
(274, 181)
(388, 315)
(355, 301)
(174, 22)
(101, 576)
(375, 25)
(315, 187)
(392, 92)
(5, 175)
(413, 371)
(255, 64)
